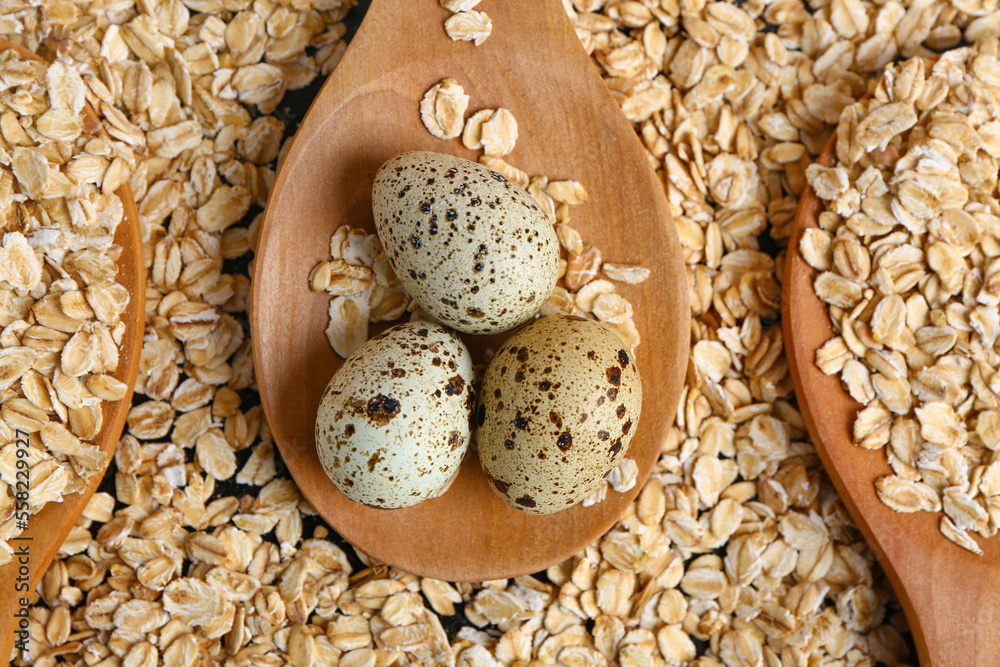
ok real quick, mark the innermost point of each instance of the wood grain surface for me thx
(570, 127)
(49, 527)
(951, 597)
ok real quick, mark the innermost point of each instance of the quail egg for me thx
(472, 248)
(557, 411)
(394, 422)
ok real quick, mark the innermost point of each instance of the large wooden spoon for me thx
(570, 127)
(49, 527)
(951, 597)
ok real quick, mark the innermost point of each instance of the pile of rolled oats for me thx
(60, 307)
(906, 254)
(737, 550)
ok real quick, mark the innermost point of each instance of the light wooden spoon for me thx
(49, 527)
(951, 597)
(570, 127)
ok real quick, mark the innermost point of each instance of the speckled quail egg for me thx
(557, 411)
(472, 248)
(394, 422)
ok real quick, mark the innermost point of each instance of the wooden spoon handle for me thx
(956, 606)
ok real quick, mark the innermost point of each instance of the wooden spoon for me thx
(951, 596)
(570, 127)
(49, 527)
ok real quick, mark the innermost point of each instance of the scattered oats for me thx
(905, 495)
(959, 536)
(348, 328)
(469, 26)
(630, 274)
(567, 192)
(623, 477)
(459, 5)
(472, 133)
(443, 109)
(499, 134)
(510, 172)
(588, 294)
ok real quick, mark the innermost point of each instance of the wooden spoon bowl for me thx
(570, 127)
(951, 597)
(49, 527)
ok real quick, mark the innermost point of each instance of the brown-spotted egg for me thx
(394, 422)
(557, 411)
(472, 248)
